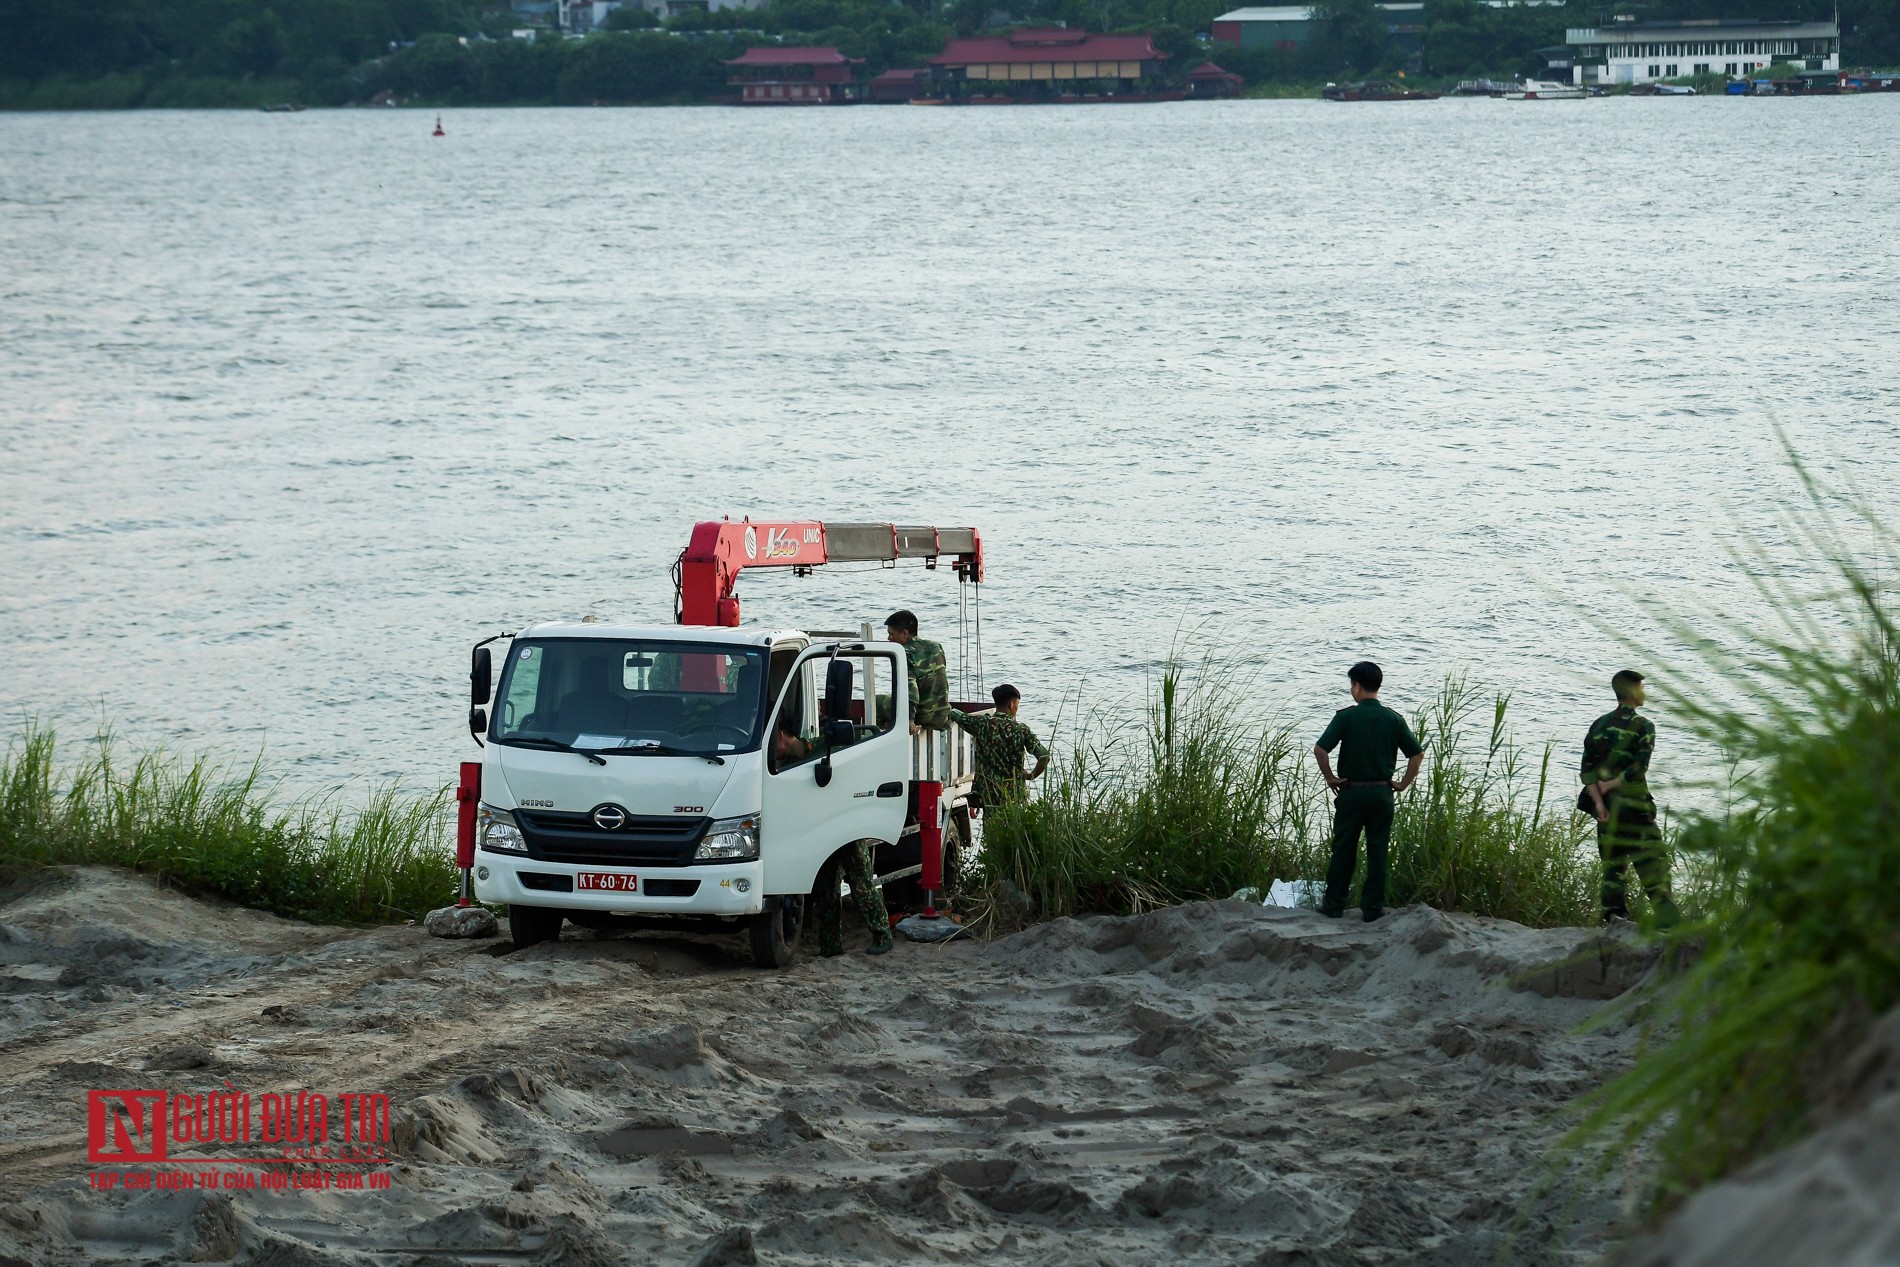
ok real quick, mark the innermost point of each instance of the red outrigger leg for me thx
(468, 795)
(930, 835)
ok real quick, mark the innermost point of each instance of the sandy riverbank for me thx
(1216, 1083)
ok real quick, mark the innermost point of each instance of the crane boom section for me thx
(719, 550)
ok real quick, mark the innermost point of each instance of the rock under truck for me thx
(700, 775)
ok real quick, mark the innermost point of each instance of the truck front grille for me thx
(645, 841)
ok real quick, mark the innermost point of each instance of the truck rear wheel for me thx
(531, 925)
(774, 931)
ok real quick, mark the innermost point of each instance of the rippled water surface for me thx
(294, 408)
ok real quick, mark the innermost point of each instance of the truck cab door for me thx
(837, 761)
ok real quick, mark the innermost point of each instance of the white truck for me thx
(702, 775)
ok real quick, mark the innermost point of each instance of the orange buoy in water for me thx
(438, 126)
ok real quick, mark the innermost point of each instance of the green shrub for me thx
(192, 826)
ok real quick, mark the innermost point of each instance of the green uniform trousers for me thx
(1632, 838)
(853, 865)
(1359, 808)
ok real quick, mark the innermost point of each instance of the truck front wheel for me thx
(531, 925)
(774, 931)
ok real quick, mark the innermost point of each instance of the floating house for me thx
(1644, 52)
(900, 85)
(1870, 81)
(1046, 65)
(1209, 80)
(796, 77)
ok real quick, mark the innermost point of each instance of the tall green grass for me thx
(1800, 939)
(210, 831)
(1194, 803)
(1484, 830)
(1201, 801)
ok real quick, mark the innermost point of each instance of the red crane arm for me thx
(720, 550)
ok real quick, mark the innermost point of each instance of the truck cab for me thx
(697, 775)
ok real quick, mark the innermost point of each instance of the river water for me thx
(293, 408)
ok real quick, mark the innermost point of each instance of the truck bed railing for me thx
(945, 756)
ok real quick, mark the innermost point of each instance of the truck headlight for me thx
(496, 832)
(730, 840)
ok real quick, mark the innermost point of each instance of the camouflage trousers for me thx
(1631, 837)
(853, 865)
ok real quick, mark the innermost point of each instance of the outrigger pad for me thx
(930, 928)
(461, 921)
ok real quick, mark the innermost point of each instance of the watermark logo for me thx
(125, 1127)
(154, 1139)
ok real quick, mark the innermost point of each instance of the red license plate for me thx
(608, 881)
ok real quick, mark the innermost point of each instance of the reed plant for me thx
(227, 834)
(1798, 949)
(1194, 802)
(1483, 830)
(1202, 801)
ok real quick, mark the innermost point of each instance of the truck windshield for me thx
(617, 694)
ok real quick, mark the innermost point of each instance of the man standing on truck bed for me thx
(929, 675)
(1001, 743)
(1373, 736)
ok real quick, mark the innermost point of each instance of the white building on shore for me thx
(1644, 52)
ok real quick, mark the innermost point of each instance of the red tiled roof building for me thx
(1057, 62)
(899, 85)
(795, 77)
(1209, 80)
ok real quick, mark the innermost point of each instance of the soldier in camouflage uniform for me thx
(854, 862)
(929, 677)
(1001, 743)
(1615, 773)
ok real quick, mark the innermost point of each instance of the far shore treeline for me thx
(118, 54)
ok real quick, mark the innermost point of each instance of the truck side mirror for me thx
(837, 729)
(480, 673)
(838, 690)
(478, 723)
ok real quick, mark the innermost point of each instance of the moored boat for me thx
(1375, 90)
(1546, 90)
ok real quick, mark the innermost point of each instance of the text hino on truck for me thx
(701, 773)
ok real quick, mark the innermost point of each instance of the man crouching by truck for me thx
(929, 674)
(854, 861)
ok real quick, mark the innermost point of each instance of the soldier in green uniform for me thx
(1616, 754)
(1001, 744)
(853, 863)
(929, 676)
(1373, 736)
